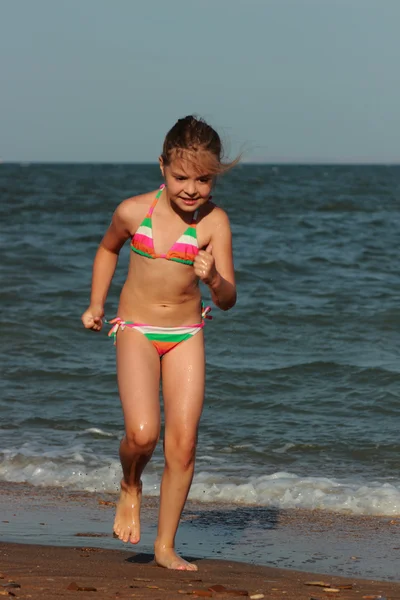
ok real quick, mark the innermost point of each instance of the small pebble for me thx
(217, 588)
(345, 587)
(73, 586)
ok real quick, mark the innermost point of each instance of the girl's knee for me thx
(180, 452)
(142, 440)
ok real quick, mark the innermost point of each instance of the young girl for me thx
(178, 237)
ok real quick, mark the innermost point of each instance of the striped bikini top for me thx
(183, 251)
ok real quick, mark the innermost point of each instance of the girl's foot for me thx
(168, 558)
(127, 518)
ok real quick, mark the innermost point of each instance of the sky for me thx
(280, 80)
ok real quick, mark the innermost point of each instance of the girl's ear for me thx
(160, 160)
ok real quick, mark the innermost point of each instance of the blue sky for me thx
(285, 80)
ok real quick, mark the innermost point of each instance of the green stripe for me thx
(141, 252)
(181, 260)
(146, 222)
(190, 231)
(168, 337)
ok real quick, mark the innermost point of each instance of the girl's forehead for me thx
(192, 166)
(184, 166)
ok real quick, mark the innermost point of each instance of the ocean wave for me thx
(281, 490)
(287, 490)
(98, 433)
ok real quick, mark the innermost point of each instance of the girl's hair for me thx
(194, 140)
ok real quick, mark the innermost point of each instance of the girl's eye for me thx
(204, 180)
(180, 178)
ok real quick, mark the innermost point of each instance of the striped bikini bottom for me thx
(162, 338)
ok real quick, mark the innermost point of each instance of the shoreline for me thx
(47, 572)
(295, 543)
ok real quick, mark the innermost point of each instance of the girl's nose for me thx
(190, 188)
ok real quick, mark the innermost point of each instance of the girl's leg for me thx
(183, 373)
(138, 369)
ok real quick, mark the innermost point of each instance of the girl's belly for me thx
(143, 306)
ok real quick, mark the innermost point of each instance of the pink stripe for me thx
(143, 239)
(184, 249)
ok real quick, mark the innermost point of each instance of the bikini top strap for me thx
(153, 205)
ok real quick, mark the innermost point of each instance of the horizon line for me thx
(243, 163)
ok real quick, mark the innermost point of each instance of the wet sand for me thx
(52, 540)
(49, 572)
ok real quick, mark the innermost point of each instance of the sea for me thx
(302, 406)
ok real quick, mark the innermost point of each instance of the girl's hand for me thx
(92, 318)
(204, 266)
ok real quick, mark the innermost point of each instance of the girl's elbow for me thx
(107, 249)
(228, 304)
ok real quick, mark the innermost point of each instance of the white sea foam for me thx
(283, 449)
(97, 432)
(287, 490)
(86, 471)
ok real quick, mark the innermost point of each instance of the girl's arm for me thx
(214, 266)
(223, 292)
(104, 266)
(105, 263)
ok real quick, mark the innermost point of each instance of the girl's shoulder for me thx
(135, 206)
(213, 216)
(214, 226)
(137, 202)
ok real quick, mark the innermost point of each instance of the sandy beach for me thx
(55, 543)
(47, 572)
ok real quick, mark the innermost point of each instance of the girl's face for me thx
(187, 188)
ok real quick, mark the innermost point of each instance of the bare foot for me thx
(127, 517)
(168, 558)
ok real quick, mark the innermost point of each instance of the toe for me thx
(134, 538)
(182, 566)
(124, 536)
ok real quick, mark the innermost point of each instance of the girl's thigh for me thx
(138, 373)
(183, 377)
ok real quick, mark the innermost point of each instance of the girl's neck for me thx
(173, 208)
